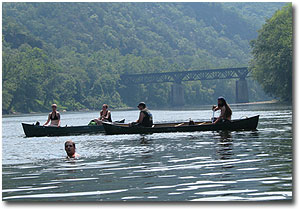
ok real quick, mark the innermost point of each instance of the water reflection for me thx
(224, 145)
(225, 136)
(254, 134)
(144, 139)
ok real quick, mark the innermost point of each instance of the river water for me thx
(196, 166)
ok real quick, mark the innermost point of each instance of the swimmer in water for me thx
(70, 149)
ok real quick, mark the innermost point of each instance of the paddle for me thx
(213, 109)
(199, 124)
(180, 124)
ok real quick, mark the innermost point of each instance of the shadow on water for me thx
(147, 154)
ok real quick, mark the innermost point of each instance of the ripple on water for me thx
(225, 192)
(200, 187)
(25, 177)
(71, 194)
(75, 179)
(29, 189)
(131, 198)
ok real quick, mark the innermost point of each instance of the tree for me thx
(273, 55)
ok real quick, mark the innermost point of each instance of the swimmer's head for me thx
(70, 148)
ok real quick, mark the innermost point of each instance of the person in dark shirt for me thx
(145, 118)
(105, 115)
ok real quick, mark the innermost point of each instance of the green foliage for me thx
(273, 55)
(73, 54)
(25, 78)
(254, 10)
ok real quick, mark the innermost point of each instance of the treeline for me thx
(73, 54)
(273, 55)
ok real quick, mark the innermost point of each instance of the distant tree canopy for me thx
(254, 10)
(273, 55)
(73, 54)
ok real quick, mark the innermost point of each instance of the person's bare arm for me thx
(215, 108)
(140, 120)
(58, 116)
(217, 120)
(221, 115)
(47, 120)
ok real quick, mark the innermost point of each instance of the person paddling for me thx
(105, 115)
(226, 111)
(145, 118)
(71, 149)
(54, 117)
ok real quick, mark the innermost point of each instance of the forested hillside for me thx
(254, 11)
(73, 54)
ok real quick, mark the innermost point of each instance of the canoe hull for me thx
(235, 125)
(31, 130)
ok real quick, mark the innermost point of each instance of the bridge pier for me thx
(241, 91)
(177, 95)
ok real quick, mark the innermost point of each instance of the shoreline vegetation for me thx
(193, 107)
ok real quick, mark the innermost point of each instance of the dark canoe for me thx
(234, 125)
(32, 130)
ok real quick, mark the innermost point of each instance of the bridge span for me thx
(177, 78)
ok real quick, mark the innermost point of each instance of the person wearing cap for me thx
(226, 111)
(70, 149)
(54, 117)
(105, 115)
(145, 118)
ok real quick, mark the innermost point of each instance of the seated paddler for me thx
(105, 115)
(226, 112)
(54, 117)
(145, 117)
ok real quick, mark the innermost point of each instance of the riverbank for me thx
(134, 108)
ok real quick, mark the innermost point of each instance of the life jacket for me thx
(147, 120)
(109, 118)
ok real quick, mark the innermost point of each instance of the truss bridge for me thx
(177, 78)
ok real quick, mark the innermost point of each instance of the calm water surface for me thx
(207, 166)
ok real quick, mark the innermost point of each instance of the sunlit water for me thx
(196, 166)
